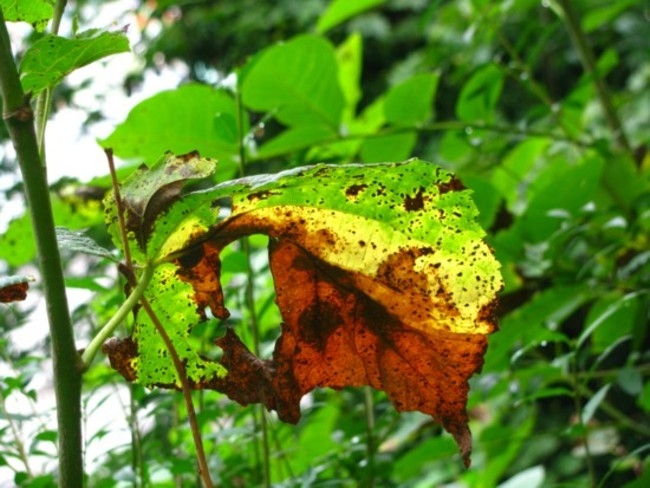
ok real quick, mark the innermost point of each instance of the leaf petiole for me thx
(126, 307)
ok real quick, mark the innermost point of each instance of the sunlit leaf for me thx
(50, 58)
(297, 82)
(35, 12)
(191, 118)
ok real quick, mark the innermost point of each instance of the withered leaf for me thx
(14, 288)
(381, 275)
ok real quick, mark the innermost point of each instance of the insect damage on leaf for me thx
(382, 278)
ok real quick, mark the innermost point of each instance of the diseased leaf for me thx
(52, 57)
(14, 288)
(35, 12)
(144, 356)
(150, 191)
(381, 277)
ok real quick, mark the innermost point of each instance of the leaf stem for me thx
(187, 393)
(120, 209)
(44, 100)
(126, 307)
(67, 364)
(588, 61)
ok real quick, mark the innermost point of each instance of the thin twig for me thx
(120, 209)
(187, 393)
(588, 61)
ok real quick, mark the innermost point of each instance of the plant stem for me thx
(250, 299)
(588, 61)
(370, 435)
(67, 365)
(126, 307)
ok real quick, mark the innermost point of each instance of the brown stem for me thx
(187, 393)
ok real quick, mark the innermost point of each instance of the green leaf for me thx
(340, 10)
(515, 177)
(35, 12)
(297, 81)
(615, 316)
(486, 197)
(538, 320)
(51, 58)
(598, 15)
(589, 410)
(388, 148)
(565, 191)
(191, 118)
(349, 56)
(411, 102)
(601, 314)
(17, 242)
(480, 94)
(293, 139)
(644, 397)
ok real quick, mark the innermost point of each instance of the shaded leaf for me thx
(340, 10)
(52, 57)
(80, 243)
(35, 12)
(479, 96)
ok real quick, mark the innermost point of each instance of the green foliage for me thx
(192, 117)
(51, 58)
(35, 12)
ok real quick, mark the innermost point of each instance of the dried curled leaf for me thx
(14, 288)
(381, 275)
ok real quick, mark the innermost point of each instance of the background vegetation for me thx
(540, 108)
